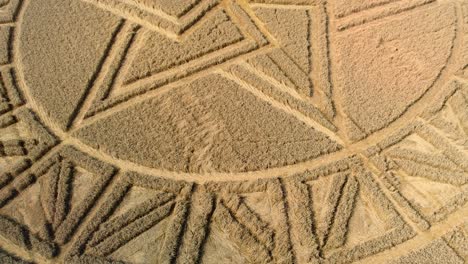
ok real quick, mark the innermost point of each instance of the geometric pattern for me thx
(113, 227)
(107, 93)
(48, 202)
(395, 193)
(432, 151)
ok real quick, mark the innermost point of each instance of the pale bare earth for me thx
(234, 131)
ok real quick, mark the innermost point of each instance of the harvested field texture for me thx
(234, 131)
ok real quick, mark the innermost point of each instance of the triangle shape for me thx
(365, 223)
(266, 65)
(319, 191)
(459, 105)
(41, 207)
(452, 120)
(45, 204)
(26, 209)
(136, 229)
(73, 185)
(325, 193)
(259, 204)
(427, 195)
(243, 216)
(364, 217)
(141, 214)
(152, 59)
(279, 67)
(145, 248)
(447, 122)
(56, 197)
(50, 198)
(252, 218)
(139, 196)
(244, 230)
(417, 157)
(82, 181)
(119, 231)
(220, 249)
(131, 73)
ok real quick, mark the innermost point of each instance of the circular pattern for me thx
(127, 97)
(206, 131)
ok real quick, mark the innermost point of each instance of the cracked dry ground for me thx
(234, 131)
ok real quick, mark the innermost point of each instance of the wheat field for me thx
(234, 131)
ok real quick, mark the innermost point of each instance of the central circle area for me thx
(225, 89)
